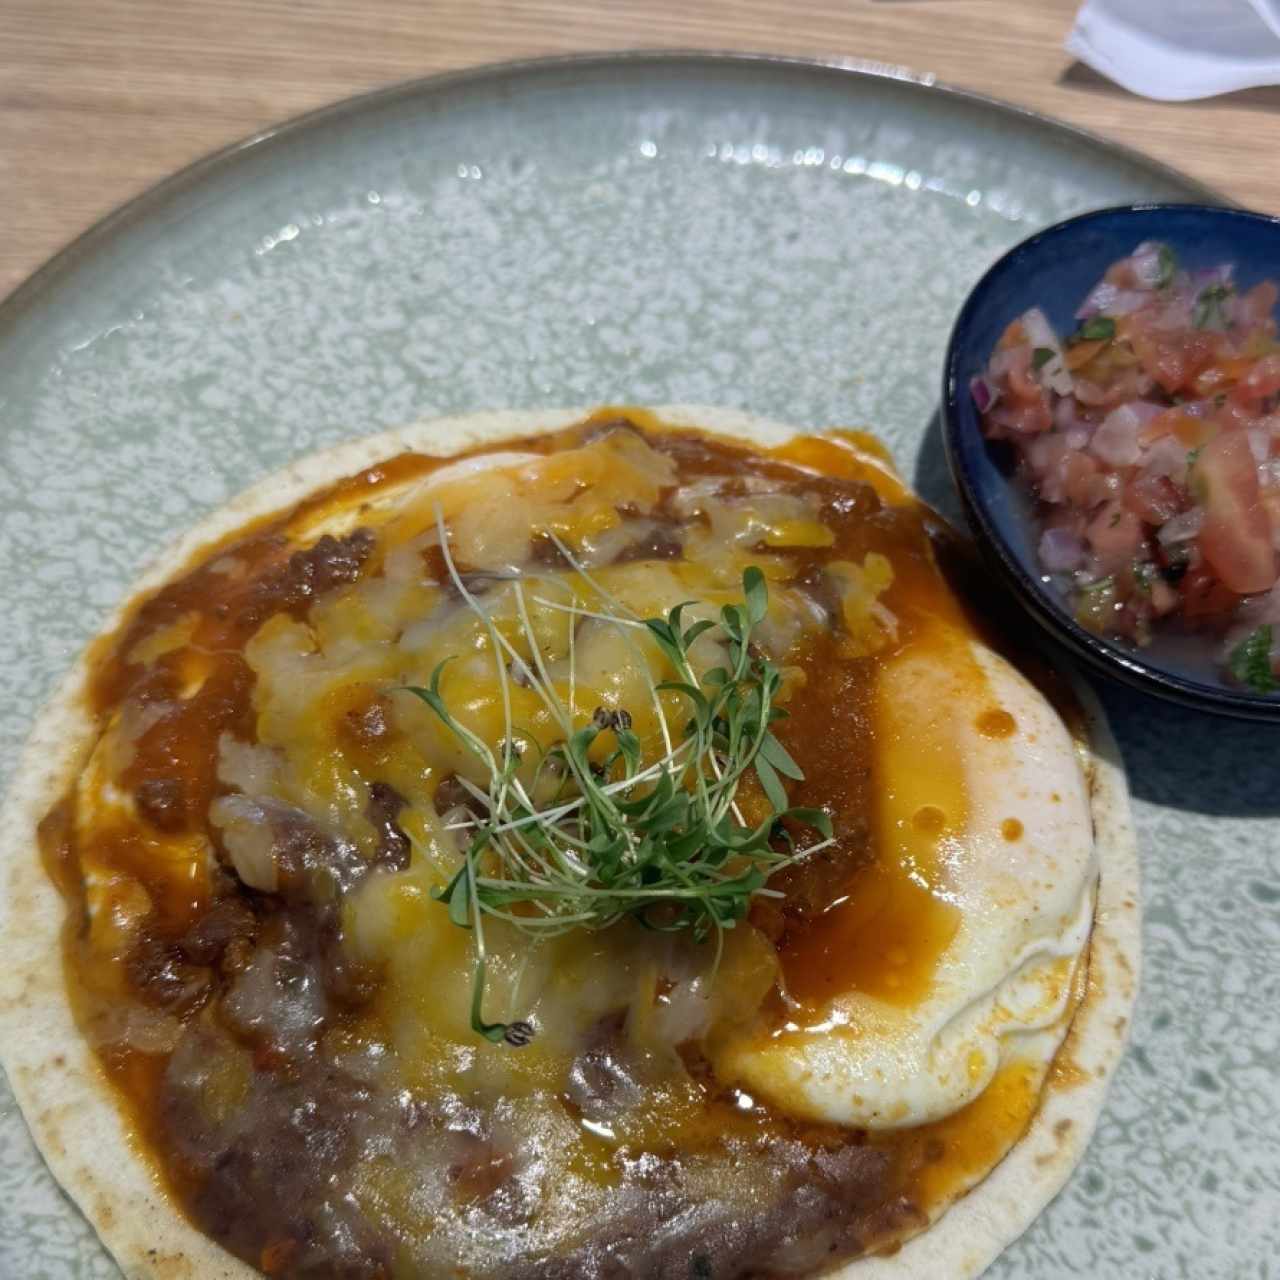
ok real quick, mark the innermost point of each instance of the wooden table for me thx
(100, 98)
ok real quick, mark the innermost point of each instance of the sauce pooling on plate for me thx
(263, 853)
(1150, 437)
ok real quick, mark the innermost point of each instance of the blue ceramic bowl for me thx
(1054, 270)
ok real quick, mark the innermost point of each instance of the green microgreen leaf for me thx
(658, 841)
(1208, 312)
(778, 756)
(1250, 661)
(757, 595)
(774, 791)
(1168, 266)
(1096, 329)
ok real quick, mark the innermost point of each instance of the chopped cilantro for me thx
(1220, 399)
(1250, 662)
(1096, 588)
(1144, 573)
(1192, 455)
(1168, 266)
(1098, 329)
(1115, 520)
(1208, 312)
(1041, 357)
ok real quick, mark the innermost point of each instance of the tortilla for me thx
(75, 1117)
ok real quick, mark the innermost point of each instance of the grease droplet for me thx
(1011, 828)
(996, 723)
(929, 820)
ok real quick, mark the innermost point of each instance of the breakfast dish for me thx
(1150, 439)
(558, 844)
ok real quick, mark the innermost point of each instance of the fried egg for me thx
(988, 872)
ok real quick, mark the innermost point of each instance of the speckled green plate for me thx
(786, 237)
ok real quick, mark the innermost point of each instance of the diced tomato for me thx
(1271, 505)
(1022, 385)
(1173, 357)
(1164, 599)
(1188, 429)
(1022, 419)
(1256, 306)
(1194, 432)
(1013, 335)
(1115, 534)
(1236, 537)
(1222, 373)
(1203, 596)
(1078, 354)
(1082, 481)
(1154, 498)
(1122, 275)
(1262, 380)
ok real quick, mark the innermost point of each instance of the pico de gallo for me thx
(1150, 437)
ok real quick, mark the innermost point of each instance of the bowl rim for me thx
(1103, 655)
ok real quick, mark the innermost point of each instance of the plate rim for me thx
(139, 206)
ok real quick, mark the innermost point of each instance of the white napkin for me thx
(1178, 49)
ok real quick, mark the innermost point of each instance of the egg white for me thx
(1002, 989)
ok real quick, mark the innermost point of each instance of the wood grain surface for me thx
(101, 98)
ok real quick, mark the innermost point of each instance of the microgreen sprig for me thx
(662, 842)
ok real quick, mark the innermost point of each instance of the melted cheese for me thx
(951, 959)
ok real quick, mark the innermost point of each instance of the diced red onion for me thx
(262, 1003)
(1177, 309)
(1061, 550)
(1003, 362)
(1146, 264)
(1066, 414)
(1116, 440)
(1166, 457)
(249, 767)
(1036, 326)
(1259, 443)
(1128, 301)
(135, 1027)
(1056, 375)
(1182, 528)
(983, 397)
(1111, 299)
(1043, 451)
(248, 840)
(1054, 372)
(1098, 300)
(1089, 393)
